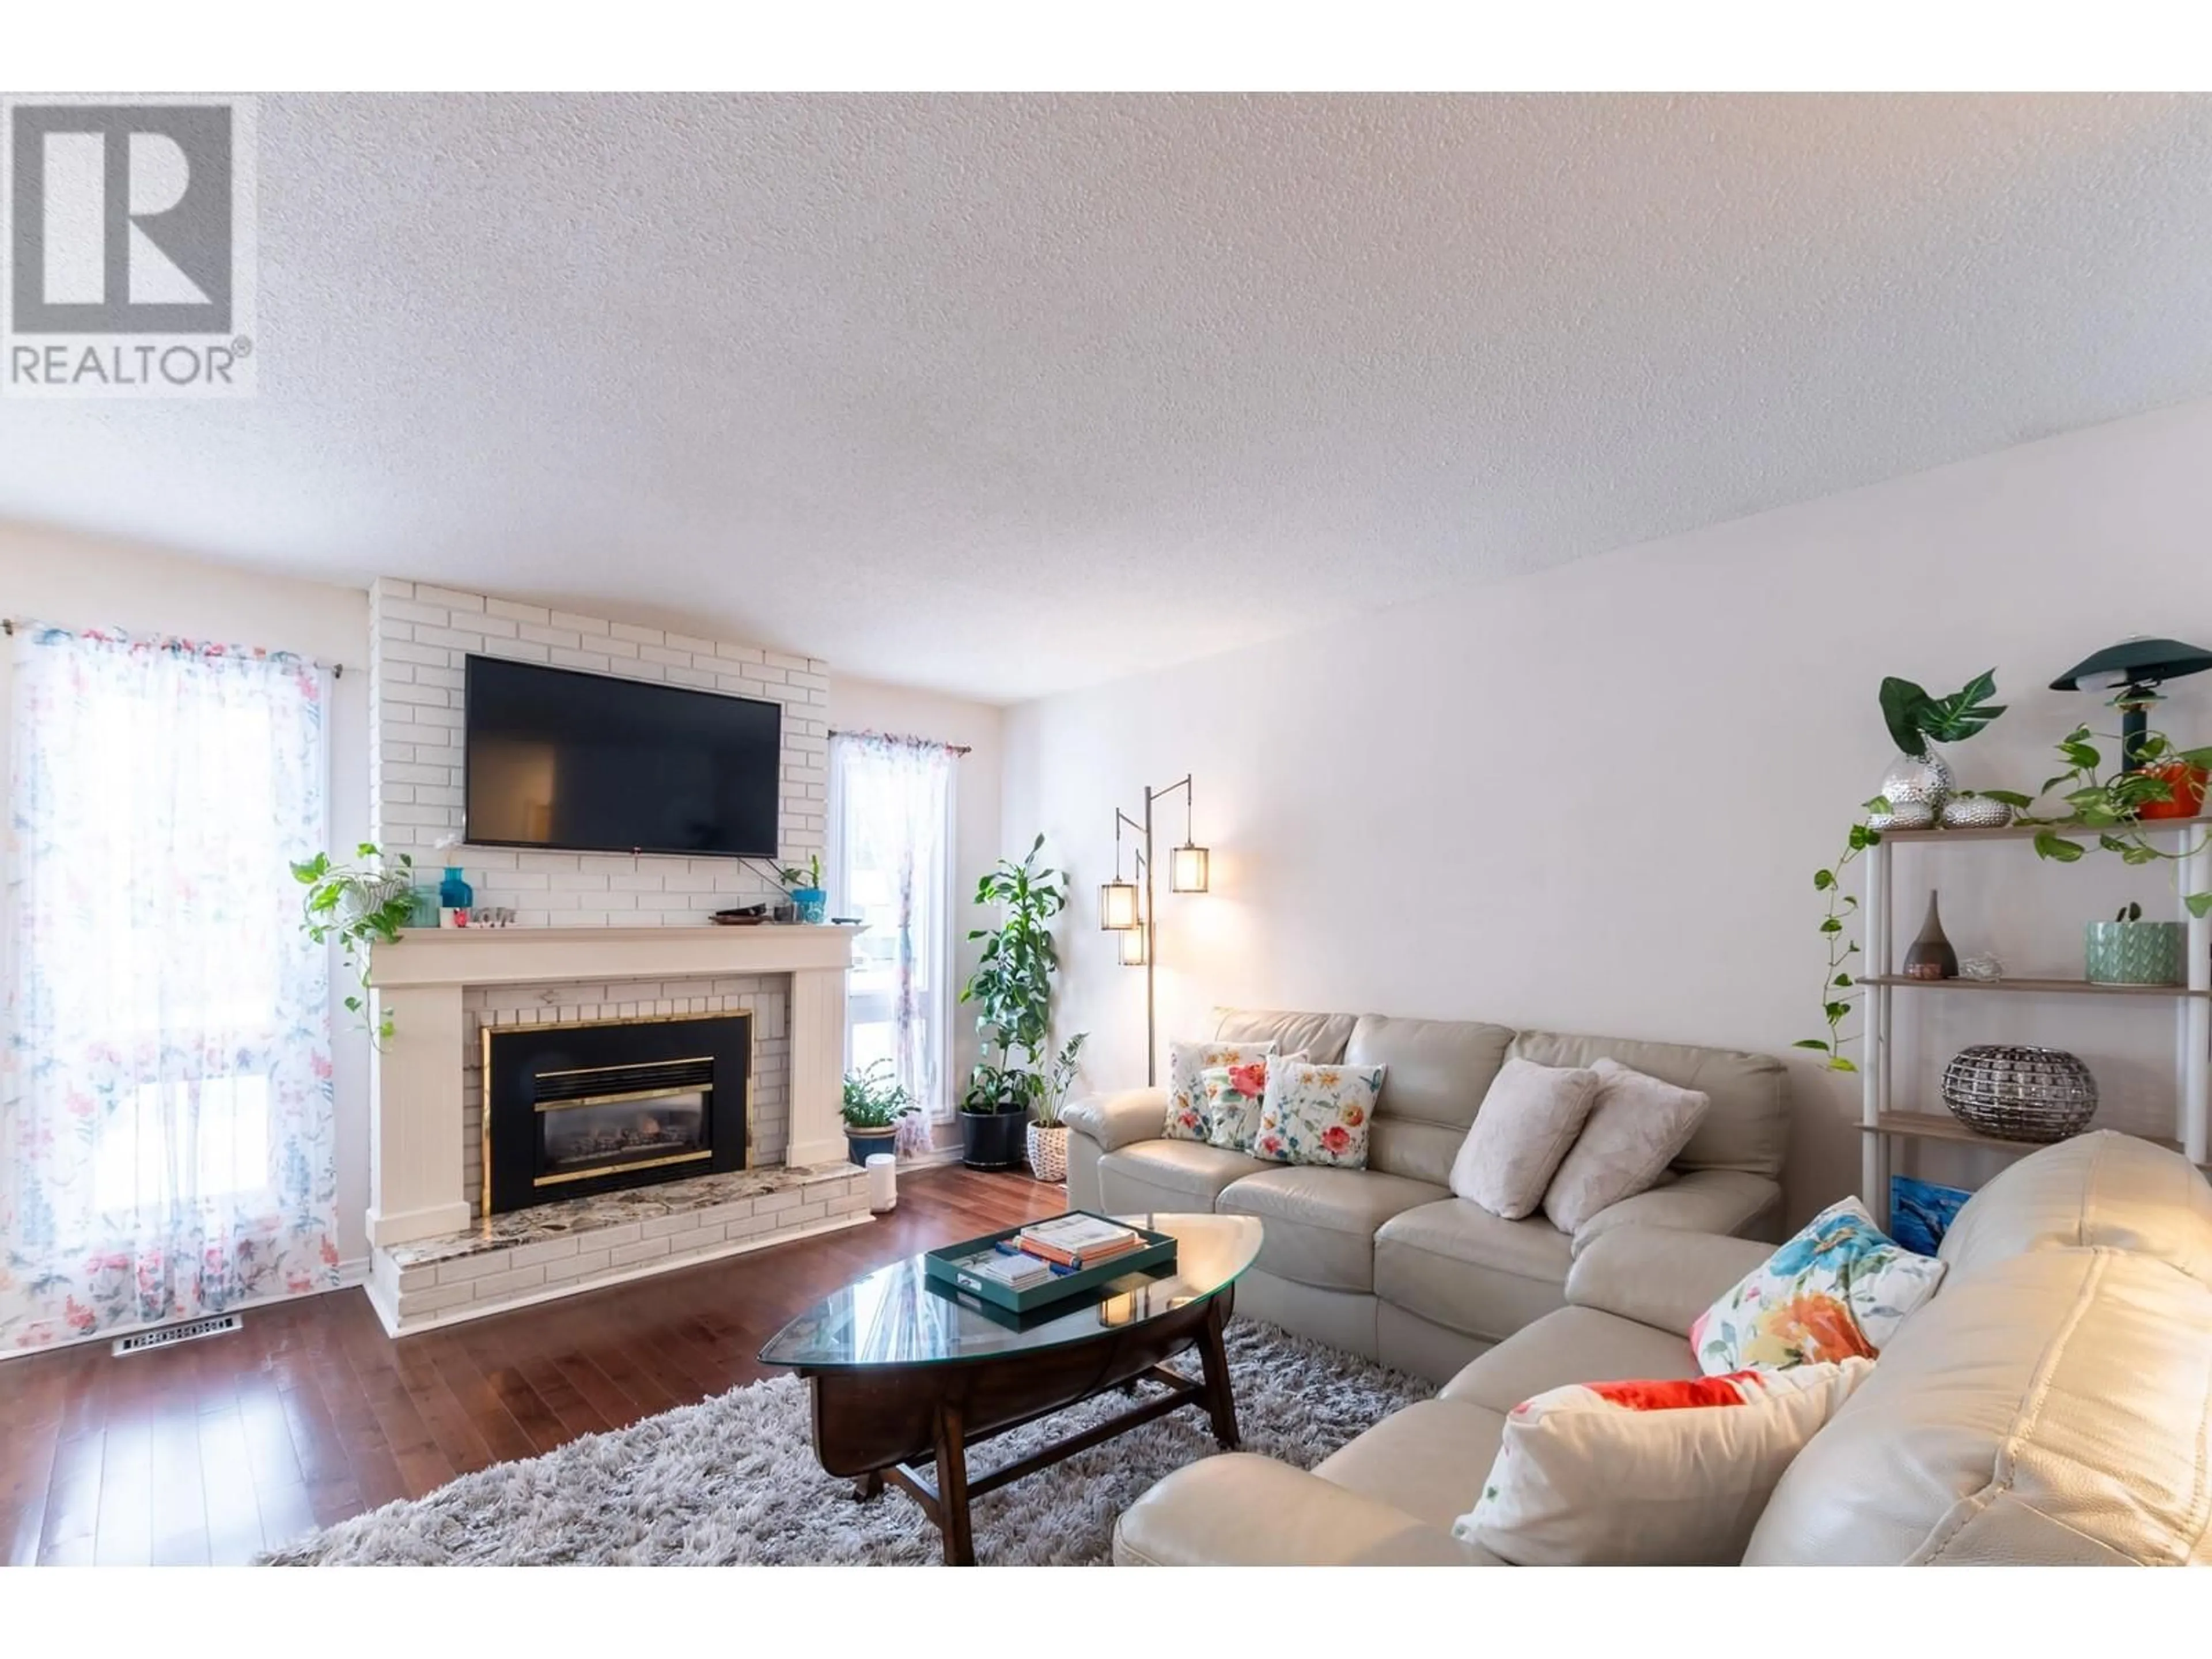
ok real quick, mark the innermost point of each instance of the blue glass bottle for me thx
(454, 893)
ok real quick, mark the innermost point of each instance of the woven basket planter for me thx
(2020, 1093)
(1048, 1151)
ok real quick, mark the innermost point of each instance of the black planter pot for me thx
(859, 1143)
(991, 1141)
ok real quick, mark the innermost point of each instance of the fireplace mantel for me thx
(416, 1179)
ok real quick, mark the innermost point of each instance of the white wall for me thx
(857, 704)
(1593, 798)
(78, 581)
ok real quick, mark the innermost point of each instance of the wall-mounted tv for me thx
(572, 761)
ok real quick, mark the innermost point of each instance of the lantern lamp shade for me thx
(1117, 906)
(1186, 869)
(1132, 946)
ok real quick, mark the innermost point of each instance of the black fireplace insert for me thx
(571, 1110)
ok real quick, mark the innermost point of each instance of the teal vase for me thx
(2134, 952)
(454, 893)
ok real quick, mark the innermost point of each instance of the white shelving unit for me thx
(1884, 1121)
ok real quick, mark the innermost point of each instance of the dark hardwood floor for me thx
(210, 1452)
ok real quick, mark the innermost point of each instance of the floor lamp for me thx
(1127, 909)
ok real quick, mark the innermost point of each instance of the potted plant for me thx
(1011, 987)
(2129, 950)
(875, 1101)
(356, 904)
(1047, 1135)
(805, 889)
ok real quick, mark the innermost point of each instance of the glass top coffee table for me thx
(904, 1370)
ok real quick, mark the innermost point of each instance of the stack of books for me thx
(1076, 1241)
(1016, 1272)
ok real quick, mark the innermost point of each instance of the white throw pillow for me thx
(1636, 1127)
(1522, 1129)
(1187, 1118)
(1234, 1095)
(1661, 1474)
(1317, 1114)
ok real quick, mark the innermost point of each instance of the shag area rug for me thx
(733, 1480)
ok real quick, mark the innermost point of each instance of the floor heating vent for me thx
(169, 1336)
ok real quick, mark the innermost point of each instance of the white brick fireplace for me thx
(599, 936)
(422, 1174)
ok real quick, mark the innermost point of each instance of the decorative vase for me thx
(2134, 952)
(1974, 812)
(453, 892)
(2020, 1093)
(1049, 1150)
(2187, 784)
(1930, 954)
(812, 903)
(1914, 785)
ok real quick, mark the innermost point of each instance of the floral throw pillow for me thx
(1665, 1472)
(1317, 1114)
(1234, 1095)
(1839, 1289)
(1188, 1062)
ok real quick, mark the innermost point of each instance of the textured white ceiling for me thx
(1003, 394)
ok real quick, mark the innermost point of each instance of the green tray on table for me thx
(944, 1265)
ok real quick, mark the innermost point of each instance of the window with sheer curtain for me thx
(891, 862)
(167, 1147)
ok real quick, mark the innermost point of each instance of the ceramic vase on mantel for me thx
(1930, 954)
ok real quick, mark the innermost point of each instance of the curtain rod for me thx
(8, 625)
(901, 737)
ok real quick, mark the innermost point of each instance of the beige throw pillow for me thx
(1637, 1126)
(1524, 1127)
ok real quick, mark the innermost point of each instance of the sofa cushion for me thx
(1649, 1472)
(1574, 1344)
(1528, 1119)
(1170, 1175)
(1321, 1036)
(2100, 1188)
(1428, 1459)
(1747, 1127)
(2052, 1408)
(1187, 1117)
(1638, 1125)
(1455, 1264)
(1439, 1070)
(1320, 1223)
(1317, 1114)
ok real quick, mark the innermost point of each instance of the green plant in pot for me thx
(803, 886)
(1047, 1135)
(357, 904)
(2129, 950)
(1011, 989)
(875, 1100)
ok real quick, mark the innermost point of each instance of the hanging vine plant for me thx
(2113, 805)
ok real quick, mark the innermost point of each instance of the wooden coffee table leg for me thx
(1220, 1400)
(870, 1484)
(952, 1488)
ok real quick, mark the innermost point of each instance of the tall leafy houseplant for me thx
(1011, 989)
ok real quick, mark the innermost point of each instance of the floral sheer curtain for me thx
(890, 856)
(166, 1133)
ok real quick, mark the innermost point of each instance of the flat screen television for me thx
(571, 761)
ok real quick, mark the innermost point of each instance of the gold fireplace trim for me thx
(626, 1065)
(487, 1030)
(627, 1094)
(566, 1176)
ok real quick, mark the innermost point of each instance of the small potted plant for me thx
(2129, 950)
(875, 1101)
(357, 904)
(804, 885)
(1047, 1135)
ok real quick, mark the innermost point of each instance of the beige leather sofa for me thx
(2051, 1404)
(1384, 1262)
